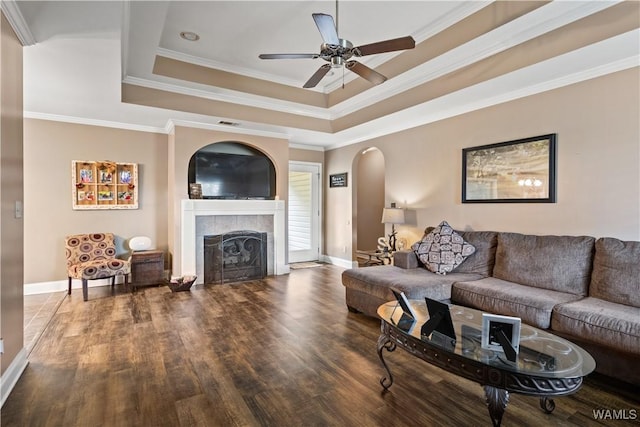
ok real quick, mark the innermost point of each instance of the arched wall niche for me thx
(368, 194)
(233, 170)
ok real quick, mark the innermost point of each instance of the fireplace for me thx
(201, 218)
(235, 256)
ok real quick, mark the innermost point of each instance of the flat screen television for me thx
(233, 176)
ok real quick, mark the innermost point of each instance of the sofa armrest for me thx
(405, 259)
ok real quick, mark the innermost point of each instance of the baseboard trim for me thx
(11, 376)
(61, 285)
(340, 262)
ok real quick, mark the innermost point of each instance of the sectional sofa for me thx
(584, 289)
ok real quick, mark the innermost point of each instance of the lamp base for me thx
(392, 238)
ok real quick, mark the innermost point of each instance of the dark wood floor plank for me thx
(283, 351)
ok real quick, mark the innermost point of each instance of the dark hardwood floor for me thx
(278, 352)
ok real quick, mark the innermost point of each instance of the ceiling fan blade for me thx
(317, 76)
(288, 56)
(365, 72)
(386, 46)
(327, 28)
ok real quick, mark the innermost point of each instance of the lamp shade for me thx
(393, 216)
(140, 243)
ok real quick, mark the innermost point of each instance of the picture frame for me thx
(104, 185)
(439, 321)
(404, 303)
(338, 180)
(495, 328)
(518, 171)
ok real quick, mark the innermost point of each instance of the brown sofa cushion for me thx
(416, 283)
(406, 259)
(558, 263)
(616, 272)
(606, 323)
(482, 261)
(532, 305)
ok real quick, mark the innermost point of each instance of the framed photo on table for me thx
(520, 171)
(501, 333)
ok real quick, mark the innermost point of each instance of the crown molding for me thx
(228, 129)
(306, 147)
(92, 122)
(16, 20)
(234, 97)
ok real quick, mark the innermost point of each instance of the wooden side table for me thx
(147, 268)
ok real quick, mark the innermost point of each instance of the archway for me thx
(232, 170)
(368, 199)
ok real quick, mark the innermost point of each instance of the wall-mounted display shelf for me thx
(104, 185)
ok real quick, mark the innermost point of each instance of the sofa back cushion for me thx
(558, 263)
(616, 272)
(482, 261)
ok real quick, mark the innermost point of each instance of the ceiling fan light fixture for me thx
(338, 52)
(189, 36)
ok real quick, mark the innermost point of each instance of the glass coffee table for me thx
(547, 365)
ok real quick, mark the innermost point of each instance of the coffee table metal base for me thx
(497, 382)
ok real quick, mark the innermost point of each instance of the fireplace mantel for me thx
(192, 208)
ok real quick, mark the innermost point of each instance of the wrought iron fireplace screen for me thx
(235, 256)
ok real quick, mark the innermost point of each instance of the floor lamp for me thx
(393, 216)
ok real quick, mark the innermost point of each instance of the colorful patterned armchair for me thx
(93, 256)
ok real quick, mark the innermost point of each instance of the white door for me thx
(304, 211)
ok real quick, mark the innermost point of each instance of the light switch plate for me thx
(19, 211)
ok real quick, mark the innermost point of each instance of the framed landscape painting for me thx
(520, 171)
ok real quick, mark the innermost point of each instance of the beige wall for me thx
(49, 148)
(598, 127)
(188, 141)
(312, 156)
(11, 191)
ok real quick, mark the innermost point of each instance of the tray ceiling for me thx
(125, 64)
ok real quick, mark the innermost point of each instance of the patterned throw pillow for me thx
(442, 250)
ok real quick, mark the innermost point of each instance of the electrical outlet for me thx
(1, 346)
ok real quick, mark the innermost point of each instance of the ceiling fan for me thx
(338, 52)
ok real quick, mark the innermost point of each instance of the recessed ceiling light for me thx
(188, 35)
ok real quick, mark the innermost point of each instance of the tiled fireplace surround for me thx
(209, 217)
